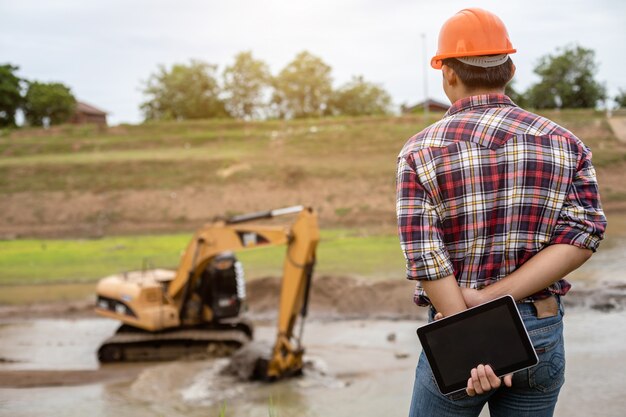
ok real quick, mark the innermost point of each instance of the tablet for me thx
(491, 334)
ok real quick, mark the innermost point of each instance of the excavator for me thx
(200, 307)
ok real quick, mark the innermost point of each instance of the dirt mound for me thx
(345, 297)
(332, 297)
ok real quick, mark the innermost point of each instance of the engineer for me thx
(494, 200)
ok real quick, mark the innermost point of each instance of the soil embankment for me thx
(332, 297)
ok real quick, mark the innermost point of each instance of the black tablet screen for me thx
(492, 334)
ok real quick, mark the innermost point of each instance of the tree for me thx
(620, 99)
(53, 103)
(567, 80)
(184, 92)
(303, 88)
(10, 94)
(244, 84)
(359, 97)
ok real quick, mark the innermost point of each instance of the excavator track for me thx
(135, 345)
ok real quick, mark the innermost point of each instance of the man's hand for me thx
(483, 379)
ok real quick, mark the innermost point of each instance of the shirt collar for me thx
(480, 101)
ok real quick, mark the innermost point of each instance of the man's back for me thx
(499, 184)
(492, 201)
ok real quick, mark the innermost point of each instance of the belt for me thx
(544, 308)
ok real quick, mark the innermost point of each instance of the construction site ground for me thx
(355, 366)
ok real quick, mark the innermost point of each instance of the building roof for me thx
(82, 107)
(432, 104)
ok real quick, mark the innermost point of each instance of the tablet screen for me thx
(492, 333)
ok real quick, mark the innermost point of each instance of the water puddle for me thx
(357, 367)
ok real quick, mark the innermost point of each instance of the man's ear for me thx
(513, 68)
(449, 75)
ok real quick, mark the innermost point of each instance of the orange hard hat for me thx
(472, 32)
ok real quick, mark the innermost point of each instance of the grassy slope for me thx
(172, 155)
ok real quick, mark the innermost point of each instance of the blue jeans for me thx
(534, 392)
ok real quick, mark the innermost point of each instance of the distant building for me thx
(86, 113)
(433, 105)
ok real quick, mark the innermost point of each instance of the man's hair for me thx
(478, 77)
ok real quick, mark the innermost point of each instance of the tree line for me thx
(246, 89)
(42, 103)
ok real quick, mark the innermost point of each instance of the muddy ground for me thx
(332, 299)
(354, 367)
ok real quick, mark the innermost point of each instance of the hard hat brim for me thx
(437, 61)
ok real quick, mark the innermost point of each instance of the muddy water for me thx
(355, 370)
(350, 363)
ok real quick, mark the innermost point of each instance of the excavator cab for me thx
(221, 287)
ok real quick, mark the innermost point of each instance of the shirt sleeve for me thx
(419, 228)
(581, 221)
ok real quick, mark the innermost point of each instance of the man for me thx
(494, 200)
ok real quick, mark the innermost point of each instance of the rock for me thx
(401, 355)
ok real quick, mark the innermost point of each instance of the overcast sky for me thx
(104, 50)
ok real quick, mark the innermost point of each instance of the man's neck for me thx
(464, 93)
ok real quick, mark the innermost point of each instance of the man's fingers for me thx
(476, 382)
(482, 378)
(438, 316)
(508, 380)
(470, 388)
(494, 381)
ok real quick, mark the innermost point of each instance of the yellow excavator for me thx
(199, 307)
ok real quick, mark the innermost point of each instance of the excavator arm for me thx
(236, 235)
(298, 267)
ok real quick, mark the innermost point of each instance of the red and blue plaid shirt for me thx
(486, 188)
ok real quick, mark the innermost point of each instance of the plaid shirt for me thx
(486, 188)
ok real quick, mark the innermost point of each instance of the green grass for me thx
(32, 261)
(35, 261)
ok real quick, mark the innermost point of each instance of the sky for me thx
(106, 50)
